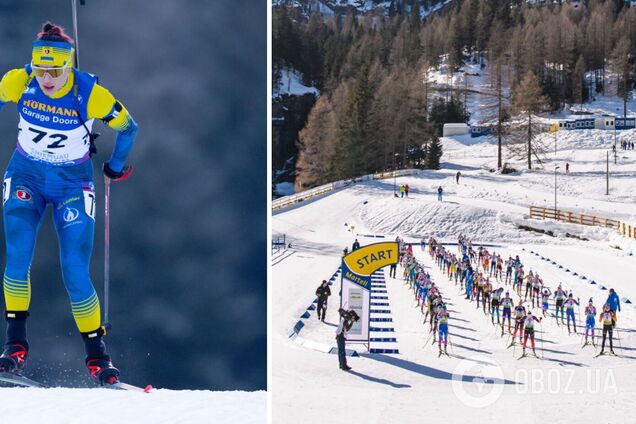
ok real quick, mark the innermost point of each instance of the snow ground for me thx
(291, 84)
(100, 406)
(569, 385)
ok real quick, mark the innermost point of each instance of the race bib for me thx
(55, 146)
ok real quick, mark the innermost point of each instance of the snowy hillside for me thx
(290, 83)
(483, 379)
(330, 7)
(81, 406)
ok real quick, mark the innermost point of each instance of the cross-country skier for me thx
(529, 321)
(509, 266)
(520, 313)
(529, 279)
(469, 281)
(545, 298)
(57, 105)
(559, 295)
(590, 322)
(486, 296)
(494, 304)
(569, 310)
(608, 319)
(442, 319)
(536, 289)
(506, 303)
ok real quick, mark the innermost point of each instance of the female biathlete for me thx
(51, 165)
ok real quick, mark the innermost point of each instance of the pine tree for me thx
(433, 153)
(353, 130)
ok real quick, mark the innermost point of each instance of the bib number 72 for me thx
(56, 138)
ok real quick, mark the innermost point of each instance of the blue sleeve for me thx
(123, 144)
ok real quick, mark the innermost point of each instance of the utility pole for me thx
(394, 156)
(555, 193)
(607, 176)
(614, 142)
(465, 93)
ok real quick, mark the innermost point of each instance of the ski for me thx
(20, 380)
(606, 354)
(529, 355)
(125, 386)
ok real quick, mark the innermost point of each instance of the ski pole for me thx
(618, 337)
(75, 30)
(106, 249)
(106, 181)
(542, 337)
(428, 339)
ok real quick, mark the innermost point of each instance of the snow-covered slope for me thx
(291, 84)
(568, 385)
(97, 406)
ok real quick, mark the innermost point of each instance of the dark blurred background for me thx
(188, 230)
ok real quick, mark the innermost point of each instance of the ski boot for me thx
(102, 370)
(14, 357)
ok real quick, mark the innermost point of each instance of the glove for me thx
(117, 176)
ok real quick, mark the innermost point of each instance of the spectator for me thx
(355, 246)
(323, 292)
(440, 191)
(459, 174)
(614, 302)
(406, 190)
(402, 190)
(567, 167)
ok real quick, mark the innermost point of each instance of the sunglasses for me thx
(54, 72)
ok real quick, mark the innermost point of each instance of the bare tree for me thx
(621, 62)
(528, 100)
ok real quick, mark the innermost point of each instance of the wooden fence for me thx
(317, 191)
(623, 228)
(627, 230)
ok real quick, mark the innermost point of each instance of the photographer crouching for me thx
(347, 318)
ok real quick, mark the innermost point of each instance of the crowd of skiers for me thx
(479, 274)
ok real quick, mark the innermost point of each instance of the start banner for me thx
(357, 268)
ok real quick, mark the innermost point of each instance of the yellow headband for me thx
(52, 53)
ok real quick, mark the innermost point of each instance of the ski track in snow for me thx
(416, 384)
